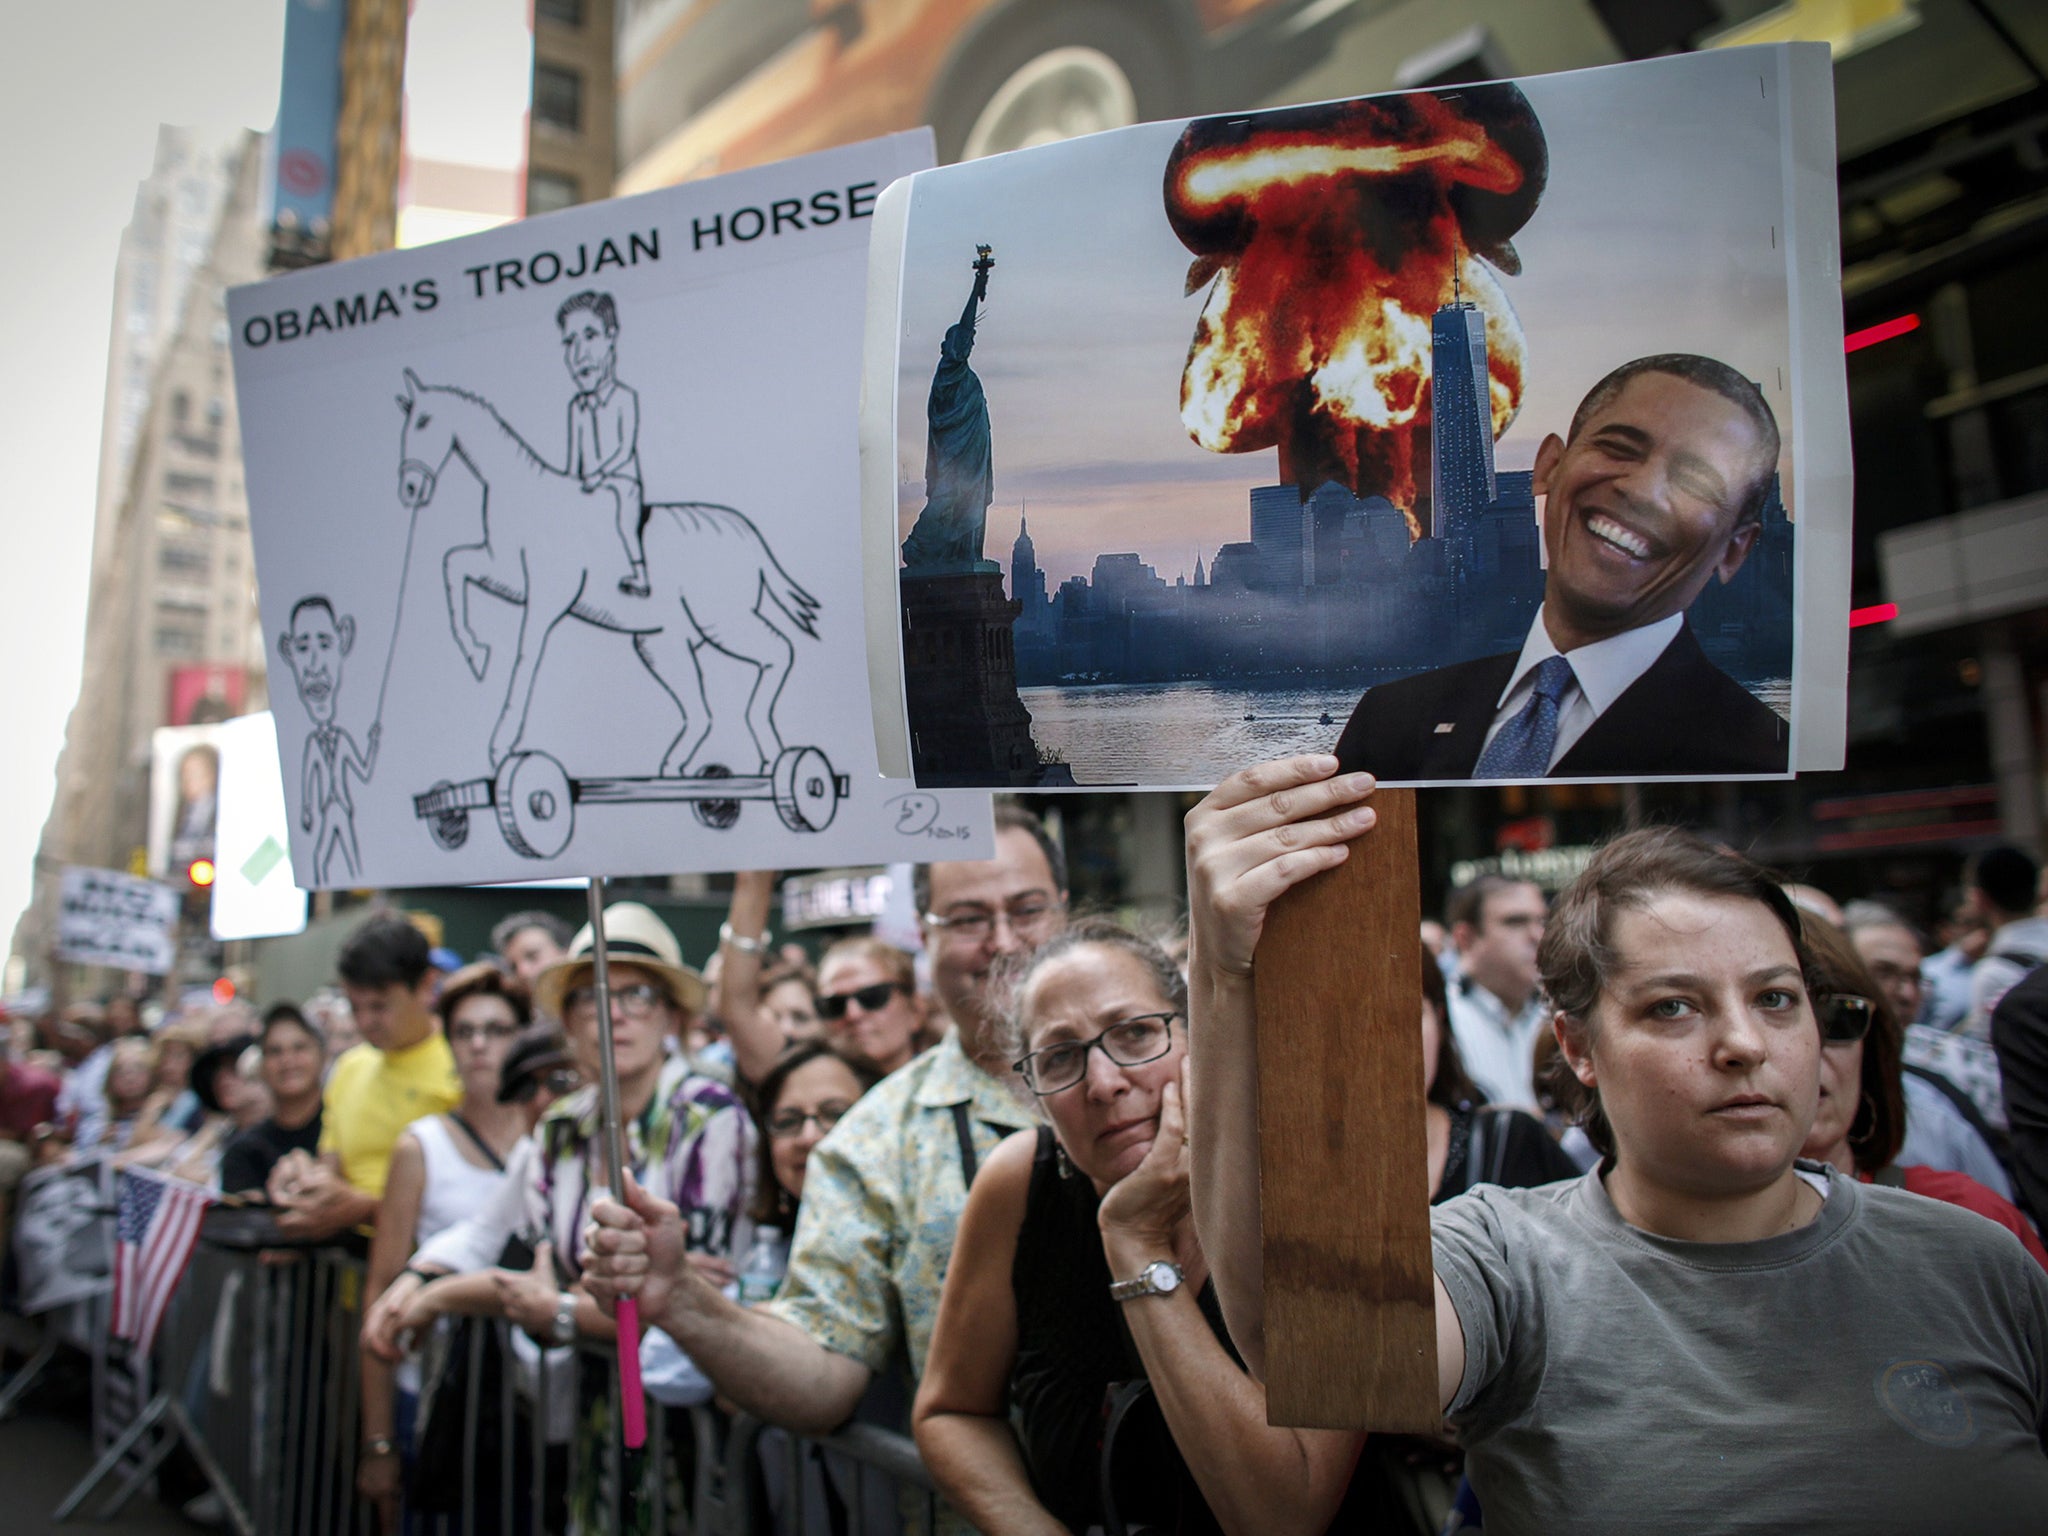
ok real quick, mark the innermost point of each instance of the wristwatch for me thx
(564, 1331)
(1159, 1278)
(379, 1445)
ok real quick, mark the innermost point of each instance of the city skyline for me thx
(1087, 328)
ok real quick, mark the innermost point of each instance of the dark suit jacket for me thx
(1684, 717)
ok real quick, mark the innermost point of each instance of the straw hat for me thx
(632, 935)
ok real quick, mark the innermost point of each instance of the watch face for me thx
(1164, 1277)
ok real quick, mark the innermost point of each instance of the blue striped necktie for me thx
(1521, 748)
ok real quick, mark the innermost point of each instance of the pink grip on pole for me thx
(631, 1399)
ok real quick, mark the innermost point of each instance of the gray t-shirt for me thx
(1883, 1368)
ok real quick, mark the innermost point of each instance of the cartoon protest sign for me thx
(555, 529)
(1492, 431)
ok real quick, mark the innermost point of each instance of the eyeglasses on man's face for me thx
(785, 1123)
(1844, 1017)
(1028, 917)
(1128, 1043)
(639, 1001)
(833, 1005)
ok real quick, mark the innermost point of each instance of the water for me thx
(1182, 734)
(1193, 735)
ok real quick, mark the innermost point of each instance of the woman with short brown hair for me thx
(1705, 1333)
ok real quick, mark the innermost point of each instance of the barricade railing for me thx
(257, 1374)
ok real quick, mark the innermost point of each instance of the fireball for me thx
(1333, 234)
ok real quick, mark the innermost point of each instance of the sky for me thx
(83, 86)
(1663, 238)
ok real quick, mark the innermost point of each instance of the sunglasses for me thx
(1844, 1018)
(833, 1005)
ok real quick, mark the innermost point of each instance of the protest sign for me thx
(1264, 432)
(253, 894)
(107, 918)
(556, 534)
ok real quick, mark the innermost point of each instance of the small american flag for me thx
(154, 1234)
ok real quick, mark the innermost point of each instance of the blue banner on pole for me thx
(308, 110)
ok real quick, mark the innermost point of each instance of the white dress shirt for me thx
(1601, 673)
(1498, 1050)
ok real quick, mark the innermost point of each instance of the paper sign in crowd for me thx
(557, 536)
(1494, 431)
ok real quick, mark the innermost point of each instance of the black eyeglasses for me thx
(833, 1004)
(635, 1002)
(559, 1081)
(785, 1123)
(1129, 1043)
(1844, 1018)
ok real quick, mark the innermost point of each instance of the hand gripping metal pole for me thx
(632, 1404)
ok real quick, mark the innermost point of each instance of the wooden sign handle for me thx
(1343, 1167)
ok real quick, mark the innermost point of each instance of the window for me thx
(567, 13)
(174, 640)
(177, 483)
(558, 96)
(182, 560)
(547, 191)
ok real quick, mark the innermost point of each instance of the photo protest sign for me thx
(1492, 431)
(107, 918)
(253, 894)
(557, 536)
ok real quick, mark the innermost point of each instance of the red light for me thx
(1884, 330)
(223, 990)
(1881, 613)
(200, 872)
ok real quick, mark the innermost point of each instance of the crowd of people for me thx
(1733, 1188)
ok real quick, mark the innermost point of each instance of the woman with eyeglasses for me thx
(801, 1098)
(1704, 1333)
(1862, 1118)
(443, 1167)
(1079, 1375)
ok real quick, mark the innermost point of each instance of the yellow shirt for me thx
(373, 1095)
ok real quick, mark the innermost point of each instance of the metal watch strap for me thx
(564, 1329)
(740, 942)
(1145, 1284)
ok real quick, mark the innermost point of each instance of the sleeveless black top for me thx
(1079, 1379)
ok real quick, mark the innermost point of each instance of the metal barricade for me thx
(257, 1373)
(257, 1376)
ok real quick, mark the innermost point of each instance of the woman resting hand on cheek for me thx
(1076, 1280)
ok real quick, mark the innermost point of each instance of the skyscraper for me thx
(1461, 481)
(1027, 581)
(1281, 523)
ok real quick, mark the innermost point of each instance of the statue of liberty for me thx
(959, 474)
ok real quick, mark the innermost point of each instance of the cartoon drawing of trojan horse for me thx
(552, 547)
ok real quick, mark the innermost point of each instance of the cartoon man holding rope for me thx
(313, 649)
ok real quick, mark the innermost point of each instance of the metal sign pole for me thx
(632, 1404)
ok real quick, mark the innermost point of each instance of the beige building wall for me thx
(572, 163)
(175, 586)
